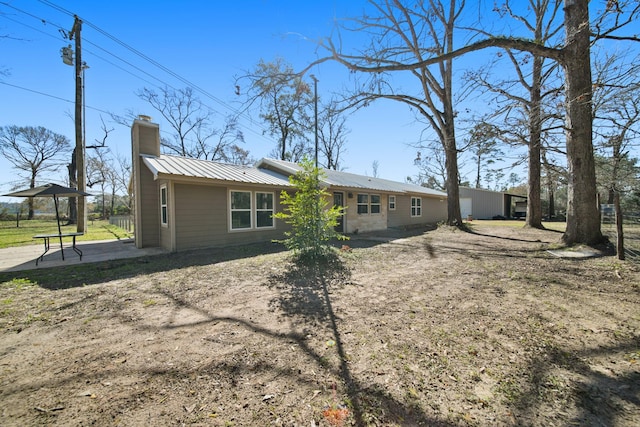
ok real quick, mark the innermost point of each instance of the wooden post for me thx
(619, 230)
(80, 171)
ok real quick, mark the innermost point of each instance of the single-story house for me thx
(183, 203)
(478, 203)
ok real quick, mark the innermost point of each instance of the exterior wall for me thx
(148, 202)
(145, 139)
(202, 218)
(434, 210)
(485, 204)
(360, 223)
(149, 138)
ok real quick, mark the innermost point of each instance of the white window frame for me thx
(253, 210)
(232, 210)
(416, 207)
(371, 204)
(365, 204)
(164, 206)
(392, 203)
(257, 209)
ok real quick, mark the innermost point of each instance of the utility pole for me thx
(315, 102)
(79, 150)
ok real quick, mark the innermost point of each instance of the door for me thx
(338, 200)
(466, 207)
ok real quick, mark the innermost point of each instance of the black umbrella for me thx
(50, 190)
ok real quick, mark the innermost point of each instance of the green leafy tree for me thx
(307, 210)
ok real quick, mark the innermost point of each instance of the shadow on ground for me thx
(305, 291)
(69, 276)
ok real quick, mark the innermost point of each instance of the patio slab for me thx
(21, 258)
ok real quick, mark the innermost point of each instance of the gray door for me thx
(338, 200)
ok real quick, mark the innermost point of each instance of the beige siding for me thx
(145, 139)
(149, 201)
(433, 211)
(202, 214)
(148, 134)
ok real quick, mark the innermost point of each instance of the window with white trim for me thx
(416, 206)
(264, 210)
(164, 215)
(363, 204)
(392, 203)
(375, 203)
(240, 210)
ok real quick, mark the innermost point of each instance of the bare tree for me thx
(375, 166)
(431, 165)
(332, 135)
(285, 101)
(220, 144)
(73, 170)
(122, 177)
(32, 150)
(617, 118)
(402, 37)
(583, 225)
(533, 76)
(100, 172)
(193, 133)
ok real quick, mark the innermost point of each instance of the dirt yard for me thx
(442, 328)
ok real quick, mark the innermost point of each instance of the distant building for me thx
(478, 203)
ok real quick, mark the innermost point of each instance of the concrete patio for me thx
(21, 258)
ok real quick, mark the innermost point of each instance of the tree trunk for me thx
(32, 184)
(583, 224)
(454, 217)
(534, 204)
(552, 204)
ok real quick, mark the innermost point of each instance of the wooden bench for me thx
(46, 238)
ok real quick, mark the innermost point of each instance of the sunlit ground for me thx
(631, 232)
(555, 225)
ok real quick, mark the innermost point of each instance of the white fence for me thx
(123, 221)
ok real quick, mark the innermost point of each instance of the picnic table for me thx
(46, 238)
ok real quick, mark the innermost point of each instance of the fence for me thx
(631, 230)
(123, 221)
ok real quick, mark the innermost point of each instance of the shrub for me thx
(307, 210)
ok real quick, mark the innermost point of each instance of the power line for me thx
(52, 96)
(69, 102)
(166, 70)
(238, 114)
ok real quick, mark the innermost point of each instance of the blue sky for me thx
(208, 43)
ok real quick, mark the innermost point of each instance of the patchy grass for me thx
(444, 328)
(11, 235)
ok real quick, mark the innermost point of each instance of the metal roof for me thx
(197, 168)
(349, 180)
(273, 172)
